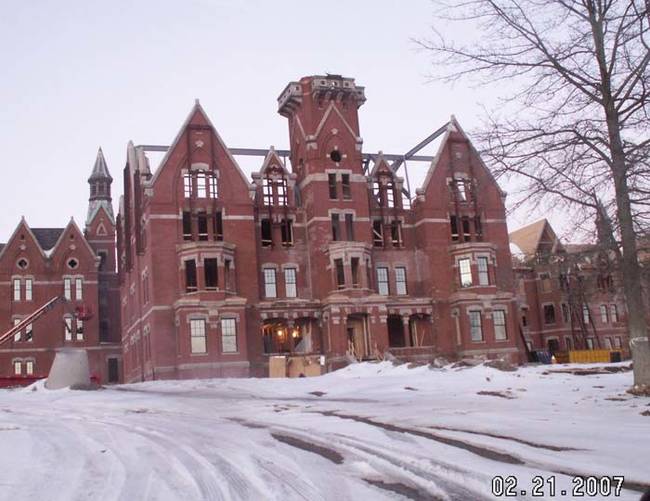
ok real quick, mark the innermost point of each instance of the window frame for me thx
(500, 328)
(476, 326)
(290, 282)
(198, 335)
(401, 281)
(270, 283)
(465, 275)
(229, 330)
(383, 283)
(483, 274)
(17, 293)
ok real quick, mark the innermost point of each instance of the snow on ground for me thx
(370, 432)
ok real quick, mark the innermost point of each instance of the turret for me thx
(100, 182)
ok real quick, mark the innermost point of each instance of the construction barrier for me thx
(594, 356)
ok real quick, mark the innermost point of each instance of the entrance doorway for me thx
(395, 331)
(358, 338)
(113, 371)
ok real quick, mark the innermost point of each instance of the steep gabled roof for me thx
(272, 158)
(47, 237)
(100, 169)
(529, 237)
(378, 162)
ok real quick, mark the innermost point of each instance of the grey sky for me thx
(80, 74)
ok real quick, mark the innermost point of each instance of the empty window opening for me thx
(568, 343)
(396, 233)
(187, 226)
(190, 276)
(286, 227)
(467, 234)
(382, 281)
(395, 327)
(476, 327)
(290, 282)
(103, 256)
(29, 333)
(270, 289)
(478, 228)
(211, 273)
(331, 182)
(400, 281)
(201, 185)
(345, 186)
(336, 230)
(483, 276)
(267, 191)
(376, 192)
(377, 233)
(453, 222)
(73, 263)
(499, 318)
(197, 336)
(604, 317)
(465, 270)
(553, 345)
(218, 226)
(390, 194)
(566, 317)
(227, 280)
(549, 314)
(202, 220)
(335, 156)
(113, 371)
(349, 226)
(354, 265)
(281, 190)
(613, 313)
(267, 233)
(340, 273)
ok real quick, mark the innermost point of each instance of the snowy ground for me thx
(368, 432)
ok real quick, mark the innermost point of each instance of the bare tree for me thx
(575, 123)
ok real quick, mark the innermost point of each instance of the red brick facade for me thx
(39, 264)
(217, 271)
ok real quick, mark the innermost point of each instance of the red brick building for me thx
(570, 296)
(218, 271)
(38, 264)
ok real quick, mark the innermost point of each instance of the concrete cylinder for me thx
(70, 368)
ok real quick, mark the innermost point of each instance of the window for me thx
(103, 256)
(18, 367)
(79, 330)
(29, 333)
(546, 282)
(499, 318)
(270, 289)
(453, 223)
(210, 272)
(476, 329)
(382, 281)
(290, 282)
(16, 289)
(78, 289)
(340, 273)
(202, 219)
(286, 228)
(267, 191)
(190, 276)
(590, 343)
(68, 328)
(478, 228)
(618, 343)
(28, 289)
(187, 185)
(214, 192)
(349, 226)
(29, 367)
(613, 313)
(201, 185)
(400, 281)
(228, 335)
(67, 288)
(603, 313)
(336, 231)
(226, 274)
(18, 334)
(483, 276)
(218, 226)
(568, 343)
(187, 225)
(396, 233)
(267, 233)
(377, 233)
(281, 189)
(197, 336)
(354, 265)
(465, 269)
(608, 343)
(331, 182)
(565, 313)
(345, 186)
(549, 314)
(467, 234)
(585, 314)
(390, 194)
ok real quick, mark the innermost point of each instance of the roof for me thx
(100, 169)
(47, 237)
(530, 237)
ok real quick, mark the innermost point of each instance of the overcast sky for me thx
(77, 75)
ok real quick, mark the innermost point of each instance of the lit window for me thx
(187, 185)
(18, 367)
(499, 317)
(16, 289)
(201, 185)
(613, 313)
(67, 288)
(29, 367)
(228, 335)
(400, 281)
(603, 313)
(476, 329)
(270, 289)
(78, 289)
(483, 276)
(382, 281)
(290, 282)
(197, 336)
(28, 289)
(68, 328)
(465, 269)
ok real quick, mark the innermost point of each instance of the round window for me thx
(22, 263)
(335, 156)
(73, 263)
